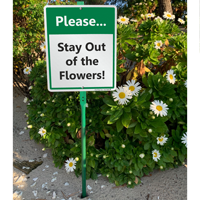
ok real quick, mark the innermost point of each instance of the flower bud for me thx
(153, 117)
(129, 182)
(161, 167)
(97, 156)
(172, 149)
(30, 126)
(104, 156)
(130, 172)
(77, 159)
(76, 145)
(183, 163)
(150, 130)
(27, 122)
(151, 113)
(176, 163)
(68, 124)
(71, 97)
(45, 102)
(123, 146)
(107, 175)
(94, 92)
(90, 120)
(53, 100)
(68, 109)
(170, 99)
(42, 115)
(91, 154)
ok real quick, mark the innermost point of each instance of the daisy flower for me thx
(159, 108)
(181, 21)
(149, 15)
(184, 139)
(186, 16)
(159, 18)
(142, 155)
(122, 95)
(70, 165)
(27, 70)
(31, 87)
(156, 155)
(168, 15)
(171, 76)
(158, 44)
(133, 87)
(185, 83)
(25, 100)
(162, 140)
(43, 47)
(123, 20)
(42, 131)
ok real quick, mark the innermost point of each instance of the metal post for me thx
(83, 136)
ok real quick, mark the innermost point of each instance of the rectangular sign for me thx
(80, 47)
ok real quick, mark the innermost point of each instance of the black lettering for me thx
(67, 75)
(59, 45)
(99, 76)
(92, 46)
(81, 76)
(94, 75)
(103, 45)
(61, 74)
(88, 76)
(74, 76)
(69, 62)
(95, 62)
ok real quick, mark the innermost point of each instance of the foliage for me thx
(116, 134)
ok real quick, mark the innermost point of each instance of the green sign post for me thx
(81, 54)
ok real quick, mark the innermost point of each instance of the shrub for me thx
(125, 139)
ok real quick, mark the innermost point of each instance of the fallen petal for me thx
(25, 179)
(35, 179)
(102, 186)
(55, 173)
(88, 187)
(45, 155)
(98, 175)
(21, 132)
(35, 193)
(66, 184)
(31, 160)
(48, 192)
(46, 166)
(53, 179)
(91, 192)
(54, 195)
(33, 184)
(95, 182)
(43, 170)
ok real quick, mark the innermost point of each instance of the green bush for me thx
(125, 139)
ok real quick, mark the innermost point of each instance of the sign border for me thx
(48, 50)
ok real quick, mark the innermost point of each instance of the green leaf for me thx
(116, 115)
(173, 153)
(119, 125)
(126, 118)
(138, 129)
(91, 141)
(109, 101)
(144, 80)
(143, 134)
(146, 146)
(91, 163)
(102, 134)
(133, 124)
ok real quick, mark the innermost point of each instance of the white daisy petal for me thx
(162, 140)
(123, 20)
(184, 139)
(27, 70)
(156, 155)
(171, 76)
(43, 47)
(181, 21)
(159, 108)
(42, 131)
(133, 87)
(158, 44)
(122, 95)
(168, 15)
(70, 165)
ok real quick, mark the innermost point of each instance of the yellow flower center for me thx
(71, 164)
(123, 19)
(171, 76)
(160, 139)
(122, 95)
(169, 15)
(27, 70)
(155, 154)
(158, 44)
(44, 46)
(43, 131)
(159, 108)
(149, 15)
(131, 88)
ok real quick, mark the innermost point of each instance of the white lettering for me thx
(57, 20)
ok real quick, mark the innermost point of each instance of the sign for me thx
(80, 47)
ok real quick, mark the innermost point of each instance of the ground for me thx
(163, 185)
